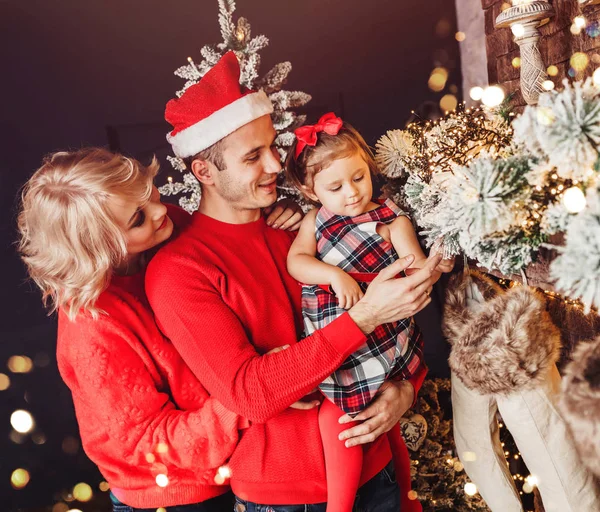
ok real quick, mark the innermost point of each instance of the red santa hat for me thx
(213, 108)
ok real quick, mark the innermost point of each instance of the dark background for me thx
(70, 68)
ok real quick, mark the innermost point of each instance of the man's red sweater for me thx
(222, 294)
(141, 411)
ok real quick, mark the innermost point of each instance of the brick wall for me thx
(557, 43)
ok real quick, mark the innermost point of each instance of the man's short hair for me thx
(212, 154)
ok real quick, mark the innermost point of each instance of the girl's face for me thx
(145, 225)
(345, 187)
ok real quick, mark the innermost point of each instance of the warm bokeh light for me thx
(60, 507)
(448, 102)
(579, 61)
(103, 486)
(162, 480)
(579, 21)
(476, 93)
(548, 85)
(20, 364)
(162, 448)
(21, 421)
(516, 62)
(19, 478)
(470, 489)
(492, 96)
(4, 382)
(574, 200)
(460, 36)
(552, 70)
(412, 495)
(83, 492)
(437, 79)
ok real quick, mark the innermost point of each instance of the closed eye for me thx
(335, 189)
(359, 178)
(139, 220)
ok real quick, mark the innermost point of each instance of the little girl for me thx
(340, 248)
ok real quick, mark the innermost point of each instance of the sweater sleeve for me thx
(215, 345)
(125, 412)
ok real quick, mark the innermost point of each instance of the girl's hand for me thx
(346, 289)
(445, 266)
(284, 214)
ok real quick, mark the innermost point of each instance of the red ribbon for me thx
(307, 134)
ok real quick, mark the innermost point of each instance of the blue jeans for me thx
(380, 494)
(218, 504)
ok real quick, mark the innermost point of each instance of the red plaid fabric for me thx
(392, 351)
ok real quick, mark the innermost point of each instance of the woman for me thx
(89, 223)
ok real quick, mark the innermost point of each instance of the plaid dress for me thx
(392, 351)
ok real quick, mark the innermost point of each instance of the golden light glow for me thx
(470, 489)
(103, 486)
(548, 85)
(516, 62)
(60, 507)
(150, 458)
(552, 70)
(460, 36)
(19, 478)
(20, 364)
(437, 79)
(162, 448)
(83, 492)
(492, 96)
(448, 102)
(21, 421)
(4, 382)
(579, 61)
(476, 93)
(412, 495)
(579, 21)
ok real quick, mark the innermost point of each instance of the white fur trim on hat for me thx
(219, 124)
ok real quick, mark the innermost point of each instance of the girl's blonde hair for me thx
(301, 171)
(69, 239)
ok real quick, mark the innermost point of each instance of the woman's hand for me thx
(284, 214)
(345, 288)
(390, 404)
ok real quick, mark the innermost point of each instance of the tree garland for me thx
(476, 188)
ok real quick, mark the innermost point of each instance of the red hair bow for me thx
(307, 134)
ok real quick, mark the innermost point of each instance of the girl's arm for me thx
(303, 265)
(404, 239)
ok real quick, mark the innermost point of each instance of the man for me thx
(222, 294)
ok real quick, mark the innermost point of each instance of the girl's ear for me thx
(308, 192)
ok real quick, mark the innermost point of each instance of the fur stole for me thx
(502, 341)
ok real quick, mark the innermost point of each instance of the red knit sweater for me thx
(141, 411)
(222, 294)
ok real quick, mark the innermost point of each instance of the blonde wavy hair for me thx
(69, 239)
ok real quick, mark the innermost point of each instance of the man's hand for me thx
(390, 404)
(345, 288)
(389, 299)
(284, 214)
